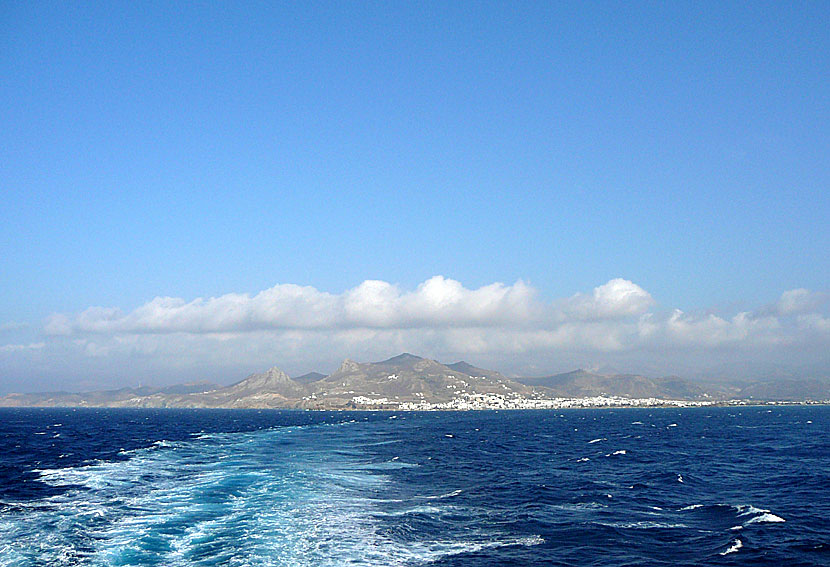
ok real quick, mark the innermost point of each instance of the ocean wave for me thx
(766, 518)
(759, 515)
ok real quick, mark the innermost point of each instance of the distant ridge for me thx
(309, 377)
(467, 368)
(410, 378)
(580, 383)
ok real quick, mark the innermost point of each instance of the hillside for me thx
(581, 383)
(410, 378)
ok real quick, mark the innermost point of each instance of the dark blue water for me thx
(713, 486)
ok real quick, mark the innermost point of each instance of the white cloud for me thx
(437, 302)
(302, 328)
(800, 300)
(814, 322)
(615, 299)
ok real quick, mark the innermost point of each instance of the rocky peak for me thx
(348, 366)
(404, 361)
(271, 379)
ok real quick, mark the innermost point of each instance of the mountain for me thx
(309, 377)
(581, 383)
(405, 377)
(190, 388)
(272, 381)
(108, 398)
(411, 378)
(471, 370)
(788, 390)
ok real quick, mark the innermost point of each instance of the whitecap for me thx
(620, 452)
(433, 551)
(692, 507)
(598, 440)
(644, 525)
(762, 516)
(447, 495)
(736, 545)
(766, 518)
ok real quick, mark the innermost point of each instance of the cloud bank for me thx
(497, 323)
(436, 303)
(614, 316)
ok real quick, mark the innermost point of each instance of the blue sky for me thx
(157, 150)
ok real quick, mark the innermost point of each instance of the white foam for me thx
(766, 518)
(597, 440)
(620, 452)
(736, 545)
(762, 516)
(393, 464)
(447, 495)
(679, 478)
(580, 506)
(692, 507)
(583, 460)
(644, 525)
(428, 510)
(433, 551)
(745, 509)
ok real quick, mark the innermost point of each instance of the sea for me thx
(615, 487)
